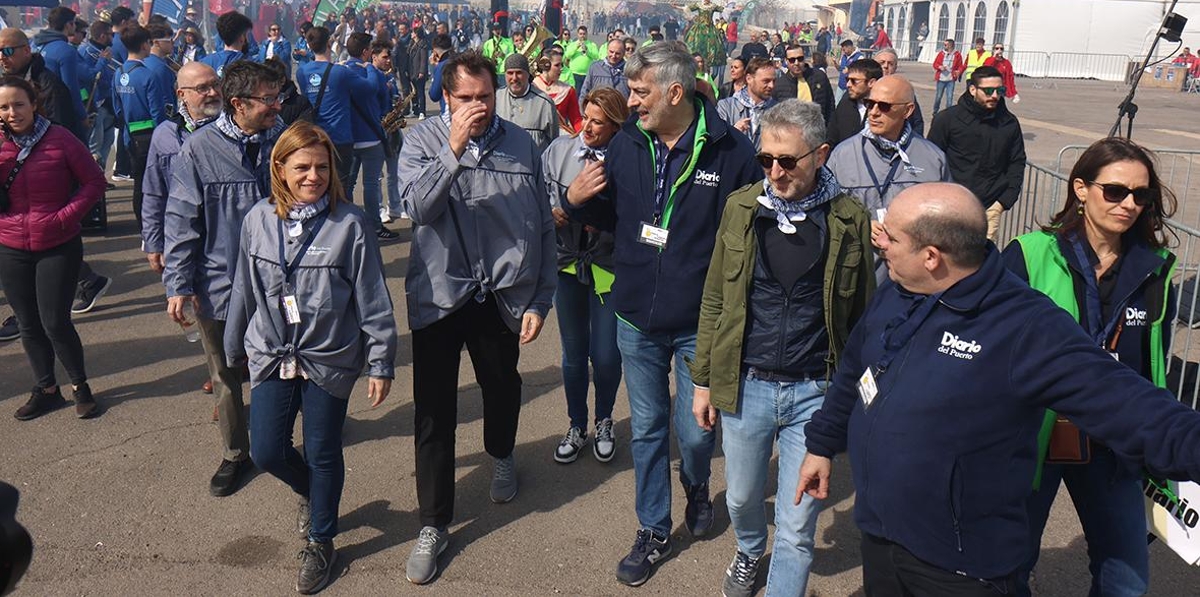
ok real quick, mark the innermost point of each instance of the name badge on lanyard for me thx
(867, 388)
(288, 302)
(652, 235)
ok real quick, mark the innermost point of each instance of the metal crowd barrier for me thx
(1044, 194)
(1039, 65)
(1178, 168)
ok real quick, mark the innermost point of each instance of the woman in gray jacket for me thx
(309, 310)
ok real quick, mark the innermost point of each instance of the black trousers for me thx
(139, 150)
(344, 160)
(437, 351)
(889, 570)
(40, 286)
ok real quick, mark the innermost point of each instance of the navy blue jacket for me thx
(659, 291)
(944, 457)
(374, 105)
(219, 60)
(335, 109)
(138, 96)
(105, 67)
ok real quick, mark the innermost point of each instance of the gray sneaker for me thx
(422, 562)
(504, 480)
(739, 577)
(303, 517)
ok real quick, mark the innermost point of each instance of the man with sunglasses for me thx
(276, 46)
(1004, 65)
(801, 81)
(887, 156)
(221, 171)
(790, 275)
(851, 112)
(983, 144)
(17, 58)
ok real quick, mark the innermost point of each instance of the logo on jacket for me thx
(125, 79)
(959, 349)
(314, 80)
(1135, 316)
(708, 179)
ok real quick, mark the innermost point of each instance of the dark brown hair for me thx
(474, 63)
(26, 86)
(1149, 226)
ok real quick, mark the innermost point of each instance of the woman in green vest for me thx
(1103, 258)
(587, 323)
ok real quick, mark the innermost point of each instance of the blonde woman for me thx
(309, 311)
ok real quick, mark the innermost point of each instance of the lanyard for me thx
(891, 175)
(289, 268)
(1095, 315)
(659, 151)
(902, 328)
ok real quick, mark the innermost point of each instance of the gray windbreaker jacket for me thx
(534, 112)
(496, 204)
(212, 189)
(346, 319)
(560, 166)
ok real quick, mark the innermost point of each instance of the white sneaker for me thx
(385, 216)
(605, 444)
(570, 446)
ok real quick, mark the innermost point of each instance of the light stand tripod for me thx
(1170, 29)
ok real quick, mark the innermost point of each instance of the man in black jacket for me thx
(983, 144)
(851, 113)
(418, 70)
(787, 84)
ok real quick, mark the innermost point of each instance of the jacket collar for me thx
(1138, 259)
(969, 293)
(976, 111)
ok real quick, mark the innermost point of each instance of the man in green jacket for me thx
(580, 54)
(791, 273)
(497, 49)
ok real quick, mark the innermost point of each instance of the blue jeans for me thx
(768, 410)
(943, 88)
(103, 134)
(321, 472)
(370, 161)
(647, 362)
(588, 329)
(395, 207)
(1110, 504)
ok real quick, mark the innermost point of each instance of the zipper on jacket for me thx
(783, 321)
(953, 512)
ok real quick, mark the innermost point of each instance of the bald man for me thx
(18, 59)
(198, 95)
(939, 396)
(888, 63)
(887, 156)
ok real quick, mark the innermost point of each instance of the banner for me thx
(328, 9)
(1172, 517)
(172, 9)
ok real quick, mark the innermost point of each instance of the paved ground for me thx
(119, 505)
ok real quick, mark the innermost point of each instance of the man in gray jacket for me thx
(481, 273)
(609, 72)
(525, 105)
(221, 171)
(887, 156)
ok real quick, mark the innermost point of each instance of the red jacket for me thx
(1004, 65)
(57, 186)
(956, 69)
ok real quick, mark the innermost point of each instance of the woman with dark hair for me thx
(737, 78)
(1104, 259)
(48, 183)
(309, 310)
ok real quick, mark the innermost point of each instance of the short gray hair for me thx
(800, 116)
(666, 63)
(891, 51)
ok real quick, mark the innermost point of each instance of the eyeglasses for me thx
(786, 162)
(10, 50)
(273, 29)
(1116, 193)
(989, 91)
(794, 59)
(204, 89)
(269, 100)
(884, 107)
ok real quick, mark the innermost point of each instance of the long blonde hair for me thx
(300, 135)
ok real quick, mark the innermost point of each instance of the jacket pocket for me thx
(734, 257)
(847, 282)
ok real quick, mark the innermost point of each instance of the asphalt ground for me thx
(119, 505)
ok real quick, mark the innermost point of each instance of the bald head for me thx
(945, 216)
(18, 61)
(199, 90)
(192, 72)
(895, 103)
(13, 37)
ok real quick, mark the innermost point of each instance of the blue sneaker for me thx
(648, 550)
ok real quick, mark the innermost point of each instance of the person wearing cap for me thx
(498, 49)
(192, 48)
(526, 106)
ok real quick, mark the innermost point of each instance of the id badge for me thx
(880, 214)
(291, 309)
(867, 390)
(653, 235)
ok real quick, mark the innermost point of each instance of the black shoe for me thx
(108, 186)
(9, 329)
(647, 551)
(699, 512)
(386, 235)
(304, 518)
(316, 567)
(228, 475)
(40, 403)
(85, 404)
(88, 293)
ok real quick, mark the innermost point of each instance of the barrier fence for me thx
(1044, 194)
(1040, 65)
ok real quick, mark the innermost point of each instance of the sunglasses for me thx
(9, 51)
(1116, 193)
(884, 107)
(795, 59)
(997, 49)
(988, 91)
(786, 162)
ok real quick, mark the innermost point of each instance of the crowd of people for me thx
(815, 268)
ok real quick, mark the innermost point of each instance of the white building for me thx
(1061, 38)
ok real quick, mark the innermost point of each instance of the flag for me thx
(172, 9)
(328, 9)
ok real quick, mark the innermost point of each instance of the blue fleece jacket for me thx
(334, 115)
(219, 60)
(119, 52)
(374, 105)
(62, 59)
(659, 291)
(944, 456)
(283, 51)
(138, 95)
(102, 91)
(166, 79)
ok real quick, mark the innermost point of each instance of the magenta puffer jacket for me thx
(57, 186)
